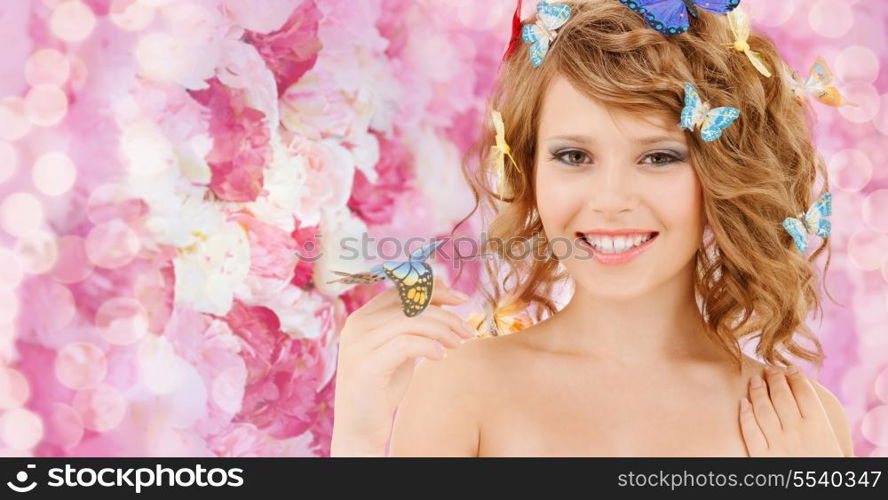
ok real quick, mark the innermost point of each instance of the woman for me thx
(676, 253)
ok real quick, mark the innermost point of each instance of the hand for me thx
(786, 417)
(378, 350)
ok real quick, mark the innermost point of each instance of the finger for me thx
(437, 313)
(396, 351)
(764, 410)
(418, 325)
(444, 295)
(756, 444)
(806, 396)
(383, 300)
(441, 295)
(782, 398)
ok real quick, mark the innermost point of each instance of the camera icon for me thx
(21, 477)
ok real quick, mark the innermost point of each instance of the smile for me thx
(617, 248)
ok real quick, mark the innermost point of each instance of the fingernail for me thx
(770, 370)
(459, 295)
(756, 382)
(744, 405)
(792, 370)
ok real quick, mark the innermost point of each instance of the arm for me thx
(438, 415)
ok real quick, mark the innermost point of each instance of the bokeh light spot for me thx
(54, 173)
(80, 365)
(72, 21)
(102, 408)
(875, 206)
(874, 426)
(112, 244)
(8, 161)
(14, 123)
(122, 320)
(14, 389)
(46, 105)
(47, 67)
(850, 170)
(37, 251)
(20, 428)
(20, 214)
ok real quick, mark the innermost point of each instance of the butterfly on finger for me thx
(672, 17)
(413, 278)
(814, 221)
(710, 120)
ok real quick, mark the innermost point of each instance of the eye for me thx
(663, 158)
(572, 157)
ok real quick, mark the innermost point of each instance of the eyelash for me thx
(671, 156)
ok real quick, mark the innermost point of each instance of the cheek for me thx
(679, 205)
(553, 201)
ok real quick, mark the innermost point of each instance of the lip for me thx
(615, 259)
(616, 232)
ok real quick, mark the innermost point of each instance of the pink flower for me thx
(375, 203)
(329, 171)
(308, 249)
(241, 146)
(292, 50)
(272, 250)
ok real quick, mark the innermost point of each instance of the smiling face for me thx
(621, 189)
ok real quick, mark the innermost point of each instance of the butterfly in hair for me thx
(814, 221)
(672, 17)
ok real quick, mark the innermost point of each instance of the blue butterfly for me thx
(541, 34)
(413, 278)
(814, 222)
(671, 17)
(711, 121)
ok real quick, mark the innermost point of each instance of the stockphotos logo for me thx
(137, 478)
(21, 478)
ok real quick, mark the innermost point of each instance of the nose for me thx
(612, 188)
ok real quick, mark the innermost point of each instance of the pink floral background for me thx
(164, 163)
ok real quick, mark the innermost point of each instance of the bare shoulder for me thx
(831, 405)
(836, 413)
(440, 414)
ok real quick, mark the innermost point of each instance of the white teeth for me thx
(617, 244)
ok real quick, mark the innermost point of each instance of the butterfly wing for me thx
(717, 6)
(815, 217)
(819, 84)
(738, 21)
(532, 34)
(553, 16)
(797, 230)
(374, 275)
(424, 252)
(669, 17)
(415, 283)
(756, 59)
(717, 119)
(692, 102)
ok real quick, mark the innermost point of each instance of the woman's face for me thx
(619, 191)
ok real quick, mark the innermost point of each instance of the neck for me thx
(661, 325)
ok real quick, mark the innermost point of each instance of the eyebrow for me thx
(591, 140)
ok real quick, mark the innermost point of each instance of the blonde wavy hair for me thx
(751, 279)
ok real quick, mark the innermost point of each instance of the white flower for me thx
(209, 270)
